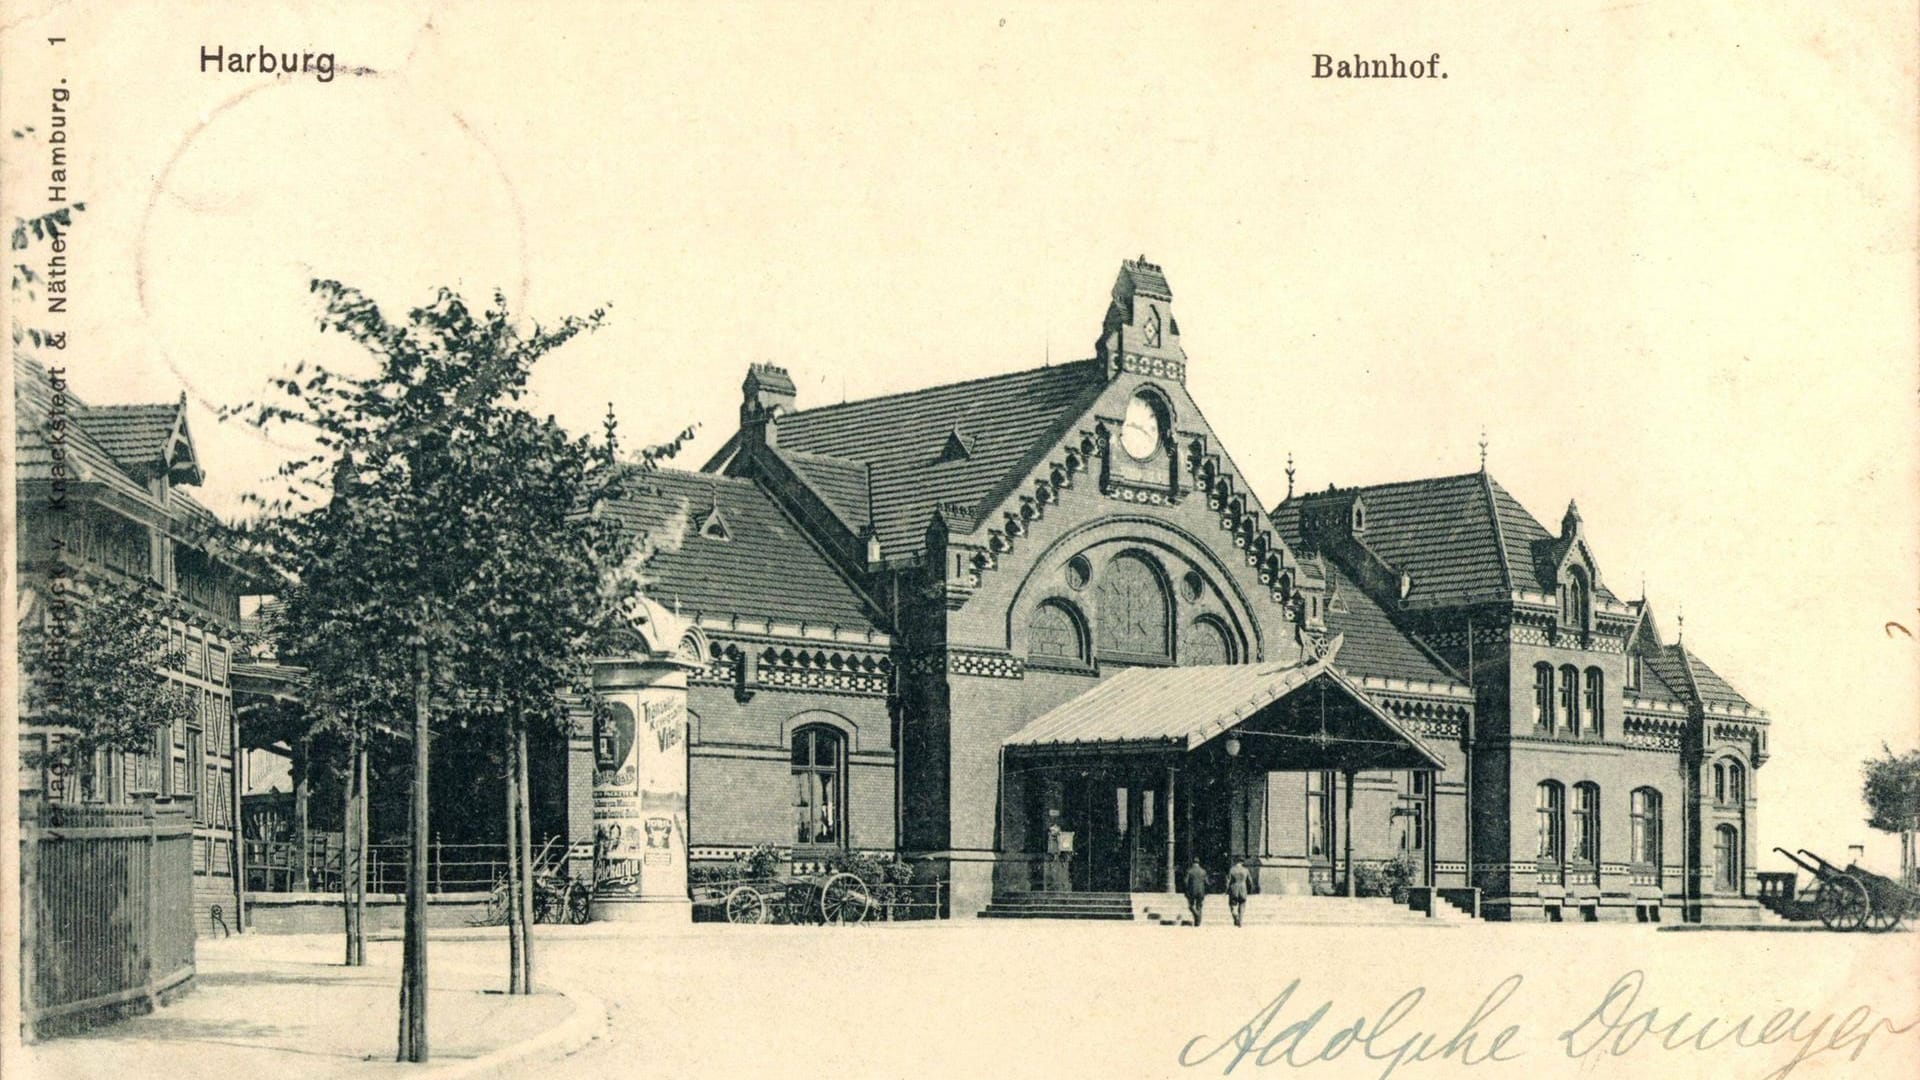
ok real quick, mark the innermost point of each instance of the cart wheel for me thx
(1886, 914)
(745, 905)
(1843, 903)
(845, 899)
(579, 905)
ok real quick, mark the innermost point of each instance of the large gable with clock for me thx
(916, 610)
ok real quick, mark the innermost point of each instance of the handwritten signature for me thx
(1613, 1028)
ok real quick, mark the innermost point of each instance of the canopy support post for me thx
(1346, 829)
(1172, 869)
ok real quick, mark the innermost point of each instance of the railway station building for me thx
(1038, 632)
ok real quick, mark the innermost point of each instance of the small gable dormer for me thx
(1140, 334)
(713, 524)
(1567, 566)
(955, 448)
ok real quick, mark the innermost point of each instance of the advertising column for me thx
(640, 790)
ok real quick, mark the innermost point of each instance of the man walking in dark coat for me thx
(1239, 881)
(1196, 889)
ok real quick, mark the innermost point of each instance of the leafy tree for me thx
(96, 667)
(446, 545)
(1891, 787)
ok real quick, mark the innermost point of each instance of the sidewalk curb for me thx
(569, 1036)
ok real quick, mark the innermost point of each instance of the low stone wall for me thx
(320, 913)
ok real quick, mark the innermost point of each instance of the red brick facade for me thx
(926, 574)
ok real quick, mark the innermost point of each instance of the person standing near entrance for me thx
(1196, 889)
(1239, 880)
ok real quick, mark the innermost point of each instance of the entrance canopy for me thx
(1304, 716)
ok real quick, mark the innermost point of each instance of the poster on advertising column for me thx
(617, 828)
(662, 756)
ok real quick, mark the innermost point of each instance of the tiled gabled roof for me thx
(88, 459)
(1660, 681)
(765, 567)
(1456, 536)
(1689, 677)
(1373, 644)
(1008, 423)
(136, 435)
(842, 484)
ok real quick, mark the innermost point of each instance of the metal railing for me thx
(107, 912)
(274, 866)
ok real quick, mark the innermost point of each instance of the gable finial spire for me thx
(1680, 620)
(613, 441)
(1289, 474)
(1483, 448)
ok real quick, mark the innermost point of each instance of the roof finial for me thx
(1643, 588)
(1289, 474)
(613, 442)
(1680, 619)
(1483, 448)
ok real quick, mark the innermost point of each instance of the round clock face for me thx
(1140, 431)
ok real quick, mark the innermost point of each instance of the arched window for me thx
(1053, 632)
(1574, 596)
(1720, 782)
(819, 785)
(1726, 858)
(1543, 695)
(1133, 609)
(1646, 827)
(1205, 642)
(1586, 823)
(1593, 704)
(1736, 784)
(1550, 819)
(1570, 698)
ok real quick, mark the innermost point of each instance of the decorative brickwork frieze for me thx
(749, 665)
(1156, 367)
(1654, 732)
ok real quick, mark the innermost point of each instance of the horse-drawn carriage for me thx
(831, 899)
(1855, 898)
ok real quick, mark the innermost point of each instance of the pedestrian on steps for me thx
(1195, 886)
(1239, 880)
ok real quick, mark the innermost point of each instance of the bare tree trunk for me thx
(524, 795)
(363, 820)
(351, 855)
(515, 983)
(413, 980)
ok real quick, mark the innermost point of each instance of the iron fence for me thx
(106, 913)
(276, 866)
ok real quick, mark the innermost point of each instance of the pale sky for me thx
(1666, 258)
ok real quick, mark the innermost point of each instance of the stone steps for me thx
(1060, 905)
(1268, 910)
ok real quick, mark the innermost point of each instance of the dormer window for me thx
(1575, 599)
(714, 527)
(1359, 517)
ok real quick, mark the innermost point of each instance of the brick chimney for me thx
(767, 392)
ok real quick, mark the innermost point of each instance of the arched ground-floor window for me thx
(1646, 829)
(819, 785)
(1726, 859)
